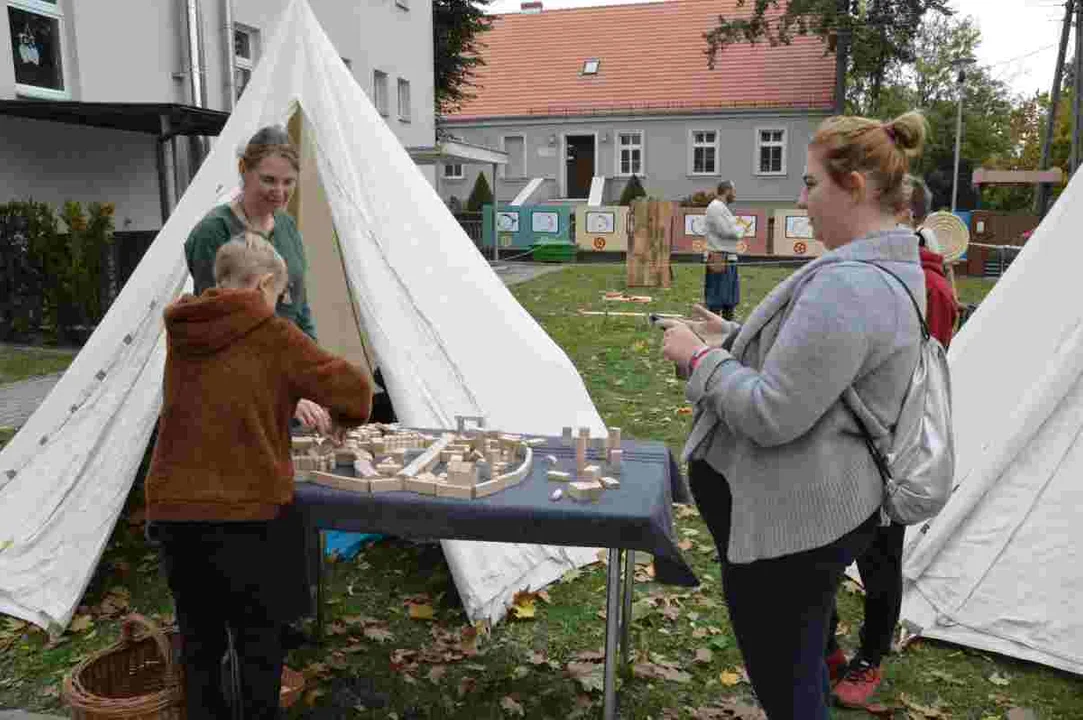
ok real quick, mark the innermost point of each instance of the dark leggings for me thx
(780, 607)
(881, 574)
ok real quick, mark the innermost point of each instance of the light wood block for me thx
(426, 460)
(585, 491)
(610, 483)
(615, 459)
(339, 482)
(519, 474)
(614, 439)
(345, 457)
(365, 469)
(566, 436)
(489, 488)
(386, 484)
(591, 473)
(463, 492)
(420, 485)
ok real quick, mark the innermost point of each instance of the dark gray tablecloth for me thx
(636, 516)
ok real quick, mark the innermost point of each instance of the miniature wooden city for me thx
(462, 464)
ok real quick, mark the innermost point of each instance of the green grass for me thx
(527, 660)
(22, 364)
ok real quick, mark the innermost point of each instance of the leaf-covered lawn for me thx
(397, 632)
(22, 364)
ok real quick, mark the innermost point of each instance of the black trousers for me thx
(780, 607)
(227, 576)
(881, 574)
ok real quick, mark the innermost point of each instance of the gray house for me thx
(591, 96)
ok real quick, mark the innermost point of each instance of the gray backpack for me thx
(918, 462)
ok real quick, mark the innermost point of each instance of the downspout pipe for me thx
(227, 54)
(197, 87)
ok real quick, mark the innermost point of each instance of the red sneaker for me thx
(858, 684)
(836, 664)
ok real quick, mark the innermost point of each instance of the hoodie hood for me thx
(205, 324)
(931, 261)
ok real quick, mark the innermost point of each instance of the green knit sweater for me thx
(221, 224)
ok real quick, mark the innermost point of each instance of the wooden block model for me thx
(345, 457)
(585, 491)
(339, 482)
(559, 476)
(484, 470)
(615, 457)
(386, 484)
(428, 459)
(304, 464)
(580, 454)
(613, 441)
(462, 473)
(566, 436)
(365, 469)
(610, 483)
(464, 492)
(303, 442)
(378, 446)
(520, 473)
(423, 484)
(590, 473)
(598, 443)
(388, 468)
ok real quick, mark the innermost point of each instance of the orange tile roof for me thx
(652, 60)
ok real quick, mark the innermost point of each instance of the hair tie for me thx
(890, 130)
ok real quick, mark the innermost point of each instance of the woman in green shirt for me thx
(269, 169)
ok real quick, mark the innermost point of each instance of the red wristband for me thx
(698, 355)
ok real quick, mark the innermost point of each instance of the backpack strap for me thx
(917, 308)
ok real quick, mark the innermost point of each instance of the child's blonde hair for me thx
(246, 257)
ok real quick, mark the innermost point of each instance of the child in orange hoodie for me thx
(221, 473)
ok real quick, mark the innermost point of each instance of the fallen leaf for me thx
(685, 511)
(925, 711)
(842, 630)
(544, 597)
(700, 632)
(510, 706)
(437, 672)
(590, 655)
(685, 544)
(523, 607)
(421, 612)
(704, 656)
(536, 658)
(312, 695)
(467, 685)
(999, 680)
(728, 709)
(661, 672)
(852, 587)
(729, 678)
(81, 623)
(946, 677)
(879, 710)
(378, 634)
(590, 676)
(50, 691)
(1020, 713)
(686, 410)
(671, 714)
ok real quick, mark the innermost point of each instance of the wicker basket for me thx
(135, 678)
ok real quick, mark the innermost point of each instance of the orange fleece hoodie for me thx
(233, 375)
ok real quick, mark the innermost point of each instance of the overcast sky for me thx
(1019, 37)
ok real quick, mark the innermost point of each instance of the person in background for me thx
(797, 494)
(721, 282)
(856, 680)
(221, 476)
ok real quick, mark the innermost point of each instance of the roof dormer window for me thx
(590, 67)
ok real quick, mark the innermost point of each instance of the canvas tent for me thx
(449, 336)
(1001, 567)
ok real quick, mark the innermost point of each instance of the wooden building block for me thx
(489, 488)
(615, 458)
(559, 476)
(585, 491)
(387, 484)
(566, 436)
(464, 492)
(387, 468)
(613, 441)
(345, 457)
(610, 483)
(302, 442)
(339, 482)
(580, 454)
(428, 459)
(462, 473)
(591, 473)
(520, 473)
(365, 469)
(420, 484)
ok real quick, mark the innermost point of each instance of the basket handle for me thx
(135, 621)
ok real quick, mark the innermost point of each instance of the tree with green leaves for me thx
(870, 38)
(457, 27)
(632, 189)
(480, 196)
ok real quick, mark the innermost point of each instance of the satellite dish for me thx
(952, 235)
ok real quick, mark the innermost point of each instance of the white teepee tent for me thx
(1001, 567)
(449, 336)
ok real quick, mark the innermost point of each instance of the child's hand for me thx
(313, 416)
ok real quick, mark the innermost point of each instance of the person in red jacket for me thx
(881, 565)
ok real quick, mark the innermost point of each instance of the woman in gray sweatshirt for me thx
(778, 465)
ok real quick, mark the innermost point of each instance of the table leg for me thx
(626, 612)
(612, 621)
(320, 547)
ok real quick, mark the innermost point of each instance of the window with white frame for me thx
(453, 171)
(770, 151)
(245, 50)
(37, 47)
(515, 147)
(704, 152)
(404, 100)
(630, 153)
(379, 91)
